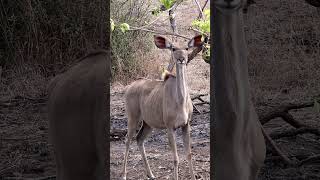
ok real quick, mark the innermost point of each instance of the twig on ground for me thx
(295, 132)
(275, 147)
(198, 96)
(202, 103)
(283, 112)
(201, 142)
(309, 160)
(117, 134)
(195, 107)
(284, 115)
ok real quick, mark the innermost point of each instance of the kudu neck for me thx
(181, 83)
(231, 70)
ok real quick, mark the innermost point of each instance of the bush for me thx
(128, 48)
(50, 33)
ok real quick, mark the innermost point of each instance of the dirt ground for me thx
(284, 49)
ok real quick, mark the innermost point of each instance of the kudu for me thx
(76, 113)
(163, 105)
(239, 146)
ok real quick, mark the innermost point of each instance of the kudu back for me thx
(76, 113)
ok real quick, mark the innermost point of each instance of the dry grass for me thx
(26, 81)
(284, 50)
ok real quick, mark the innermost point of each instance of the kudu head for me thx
(180, 54)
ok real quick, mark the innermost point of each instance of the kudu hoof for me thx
(151, 177)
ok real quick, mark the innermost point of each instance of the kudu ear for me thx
(162, 42)
(195, 42)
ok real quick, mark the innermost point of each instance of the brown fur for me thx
(76, 113)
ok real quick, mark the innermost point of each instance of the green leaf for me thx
(207, 13)
(167, 3)
(316, 106)
(112, 25)
(124, 27)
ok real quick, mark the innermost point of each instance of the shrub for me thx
(129, 47)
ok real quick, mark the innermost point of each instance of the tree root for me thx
(295, 132)
(309, 160)
(283, 112)
(275, 147)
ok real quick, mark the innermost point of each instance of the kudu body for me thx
(162, 105)
(239, 147)
(76, 113)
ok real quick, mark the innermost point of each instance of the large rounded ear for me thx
(162, 42)
(195, 42)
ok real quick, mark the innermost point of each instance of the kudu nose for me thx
(181, 60)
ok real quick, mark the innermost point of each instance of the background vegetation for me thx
(39, 39)
(129, 48)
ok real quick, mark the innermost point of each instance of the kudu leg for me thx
(142, 135)
(173, 146)
(130, 133)
(187, 145)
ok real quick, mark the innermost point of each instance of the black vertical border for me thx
(212, 95)
(105, 40)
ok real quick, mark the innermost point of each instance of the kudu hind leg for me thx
(132, 125)
(173, 146)
(142, 135)
(187, 145)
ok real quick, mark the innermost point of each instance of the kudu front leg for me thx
(173, 146)
(142, 135)
(187, 145)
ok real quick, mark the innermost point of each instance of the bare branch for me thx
(157, 32)
(205, 4)
(201, 15)
(198, 31)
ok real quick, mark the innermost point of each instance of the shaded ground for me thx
(283, 42)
